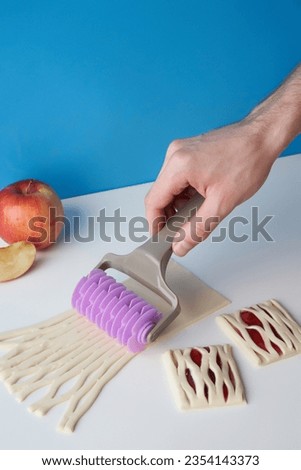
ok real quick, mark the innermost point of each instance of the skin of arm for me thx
(226, 166)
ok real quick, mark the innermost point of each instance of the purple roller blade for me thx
(112, 325)
(137, 299)
(83, 287)
(96, 274)
(106, 301)
(101, 320)
(76, 293)
(128, 291)
(102, 301)
(105, 282)
(93, 298)
(127, 330)
(116, 285)
(114, 295)
(98, 295)
(94, 279)
(144, 332)
(109, 325)
(80, 294)
(130, 300)
(135, 346)
(119, 311)
(151, 315)
(77, 304)
(85, 301)
(138, 329)
(95, 295)
(86, 291)
(124, 298)
(108, 314)
(97, 308)
(126, 324)
(122, 324)
(114, 292)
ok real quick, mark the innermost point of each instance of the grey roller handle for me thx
(159, 246)
(148, 262)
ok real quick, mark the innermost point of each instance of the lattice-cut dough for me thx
(68, 360)
(204, 377)
(265, 332)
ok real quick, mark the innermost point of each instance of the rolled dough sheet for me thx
(74, 360)
(204, 377)
(197, 300)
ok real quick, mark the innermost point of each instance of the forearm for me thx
(280, 114)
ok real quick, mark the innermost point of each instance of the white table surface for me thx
(136, 410)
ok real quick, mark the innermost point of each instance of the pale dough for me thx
(204, 377)
(74, 359)
(277, 336)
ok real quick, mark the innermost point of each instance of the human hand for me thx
(226, 166)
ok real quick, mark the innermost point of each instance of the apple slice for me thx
(16, 259)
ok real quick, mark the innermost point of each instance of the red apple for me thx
(28, 212)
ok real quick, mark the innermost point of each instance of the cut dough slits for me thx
(203, 377)
(265, 332)
(49, 355)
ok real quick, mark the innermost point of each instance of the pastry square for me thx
(204, 377)
(265, 332)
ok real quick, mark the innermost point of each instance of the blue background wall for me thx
(92, 91)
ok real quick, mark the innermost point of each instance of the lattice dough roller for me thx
(120, 312)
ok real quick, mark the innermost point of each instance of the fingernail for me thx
(181, 248)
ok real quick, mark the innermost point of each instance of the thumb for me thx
(208, 216)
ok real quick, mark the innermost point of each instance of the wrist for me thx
(279, 116)
(269, 143)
